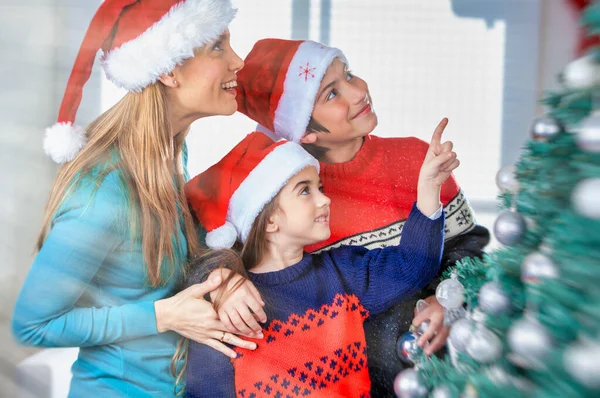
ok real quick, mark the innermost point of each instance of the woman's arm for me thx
(81, 238)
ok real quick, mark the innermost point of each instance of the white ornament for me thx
(409, 384)
(460, 333)
(530, 342)
(538, 267)
(581, 361)
(588, 133)
(581, 73)
(509, 228)
(450, 293)
(545, 128)
(493, 300)
(506, 179)
(586, 198)
(484, 346)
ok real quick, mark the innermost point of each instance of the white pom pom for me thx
(223, 237)
(63, 141)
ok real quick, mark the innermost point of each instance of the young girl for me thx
(118, 232)
(304, 92)
(269, 196)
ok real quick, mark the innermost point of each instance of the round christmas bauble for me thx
(538, 267)
(442, 392)
(509, 228)
(585, 198)
(581, 73)
(450, 293)
(460, 333)
(588, 133)
(493, 300)
(407, 348)
(545, 128)
(410, 384)
(484, 346)
(581, 361)
(422, 328)
(529, 342)
(506, 179)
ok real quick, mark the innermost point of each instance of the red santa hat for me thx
(140, 40)
(229, 196)
(278, 85)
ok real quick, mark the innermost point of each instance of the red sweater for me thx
(372, 195)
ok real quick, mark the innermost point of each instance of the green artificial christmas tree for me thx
(526, 319)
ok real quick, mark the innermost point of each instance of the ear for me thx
(169, 80)
(309, 138)
(272, 225)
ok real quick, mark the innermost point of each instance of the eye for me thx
(305, 191)
(349, 75)
(218, 46)
(332, 95)
(321, 188)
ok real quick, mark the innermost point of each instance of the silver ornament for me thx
(422, 328)
(410, 384)
(450, 293)
(545, 128)
(460, 333)
(493, 300)
(509, 228)
(529, 343)
(588, 133)
(583, 72)
(484, 346)
(407, 348)
(442, 392)
(586, 198)
(506, 179)
(538, 267)
(581, 361)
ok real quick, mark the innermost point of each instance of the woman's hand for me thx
(242, 308)
(437, 166)
(436, 333)
(189, 315)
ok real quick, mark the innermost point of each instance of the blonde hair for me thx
(149, 160)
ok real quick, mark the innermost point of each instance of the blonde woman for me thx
(118, 232)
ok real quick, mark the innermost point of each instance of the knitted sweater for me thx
(314, 343)
(371, 197)
(87, 288)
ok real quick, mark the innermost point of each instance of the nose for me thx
(355, 93)
(323, 200)
(236, 63)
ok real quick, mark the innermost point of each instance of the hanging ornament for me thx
(483, 345)
(506, 179)
(588, 133)
(581, 361)
(422, 328)
(545, 128)
(581, 73)
(407, 348)
(538, 267)
(585, 198)
(509, 228)
(460, 333)
(530, 342)
(493, 300)
(450, 293)
(410, 384)
(442, 392)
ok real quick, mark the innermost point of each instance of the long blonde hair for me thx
(149, 159)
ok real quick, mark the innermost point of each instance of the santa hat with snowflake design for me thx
(228, 196)
(140, 40)
(278, 85)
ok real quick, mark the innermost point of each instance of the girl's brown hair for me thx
(148, 157)
(239, 262)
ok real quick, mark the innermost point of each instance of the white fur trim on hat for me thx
(302, 81)
(223, 237)
(187, 26)
(264, 183)
(63, 141)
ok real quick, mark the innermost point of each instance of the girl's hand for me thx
(241, 311)
(437, 166)
(434, 314)
(189, 315)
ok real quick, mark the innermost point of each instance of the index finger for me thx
(436, 139)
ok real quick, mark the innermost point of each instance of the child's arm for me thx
(384, 277)
(208, 373)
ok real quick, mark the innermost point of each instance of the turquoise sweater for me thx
(87, 288)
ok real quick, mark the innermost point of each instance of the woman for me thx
(117, 231)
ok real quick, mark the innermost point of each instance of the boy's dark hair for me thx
(317, 151)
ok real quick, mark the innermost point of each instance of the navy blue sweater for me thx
(314, 340)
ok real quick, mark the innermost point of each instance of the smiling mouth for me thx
(231, 85)
(364, 110)
(323, 218)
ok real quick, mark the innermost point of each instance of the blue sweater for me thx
(87, 288)
(314, 340)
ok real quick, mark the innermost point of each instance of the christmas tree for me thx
(526, 319)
